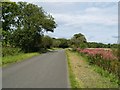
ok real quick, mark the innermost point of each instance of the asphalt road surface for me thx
(45, 71)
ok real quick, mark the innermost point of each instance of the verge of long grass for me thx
(73, 80)
(19, 57)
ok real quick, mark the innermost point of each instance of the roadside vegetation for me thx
(17, 58)
(83, 75)
(74, 82)
(101, 58)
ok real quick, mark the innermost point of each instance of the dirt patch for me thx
(86, 75)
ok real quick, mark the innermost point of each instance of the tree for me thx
(8, 15)
(77, 39)
(63, 43)
(56, 43)
(83, 45)
(47, 42)
(29, 22)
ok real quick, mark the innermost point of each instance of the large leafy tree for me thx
(8, 19)
(28, 25)
(78, 40)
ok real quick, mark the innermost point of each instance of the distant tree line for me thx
(101, 45)
(79, 40)
(49, 42)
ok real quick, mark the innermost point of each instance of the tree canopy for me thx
(77, 40)
(47, 42)
(24, 24)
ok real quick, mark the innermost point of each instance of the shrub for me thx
(7, 51)
(102, 58)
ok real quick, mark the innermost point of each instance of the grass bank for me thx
(12, 55)
(73, 79)
(82, 75)
(17, 58)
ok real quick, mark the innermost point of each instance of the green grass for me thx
(73, 81)
(55, 49)
(105, 74)
(19, 57)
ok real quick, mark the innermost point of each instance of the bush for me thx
(102, 58)
(7, 51)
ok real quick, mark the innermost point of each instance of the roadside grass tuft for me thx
(114, 79)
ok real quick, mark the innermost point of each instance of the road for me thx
(44, 71)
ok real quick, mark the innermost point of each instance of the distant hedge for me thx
(7, 51)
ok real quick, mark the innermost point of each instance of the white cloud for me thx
(86, 18)
(92, 9)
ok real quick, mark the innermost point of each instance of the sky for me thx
(98, 21)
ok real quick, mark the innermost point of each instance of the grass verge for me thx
(73, 80)
(82, 75)
(19, 57)
(52, 49)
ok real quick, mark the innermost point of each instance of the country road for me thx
(48, 70)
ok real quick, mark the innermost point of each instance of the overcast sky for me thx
(98, 21)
